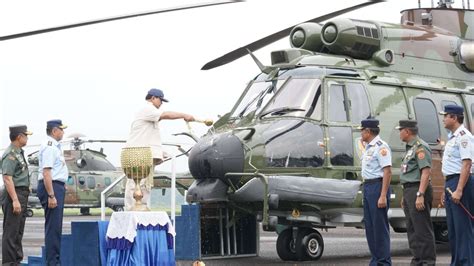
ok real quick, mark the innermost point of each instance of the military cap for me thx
(452, 109)
(369, 123)
(157, 93)
(55, 123)
(407, 124)
(20, 129)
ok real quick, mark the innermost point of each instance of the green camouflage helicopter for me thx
(288, 151)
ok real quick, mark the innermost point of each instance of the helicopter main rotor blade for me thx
(75, 25)
(238, 53)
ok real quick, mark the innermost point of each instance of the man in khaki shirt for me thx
(145, 132)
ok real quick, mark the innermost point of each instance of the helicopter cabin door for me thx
(425, 106)
(347, 105)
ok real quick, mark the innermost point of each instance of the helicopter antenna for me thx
(432, 4)
(419, 3)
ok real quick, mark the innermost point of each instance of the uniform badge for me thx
(383, 152)
(464, 143)
(379, 143)
(403, 168)
(11, 157)
(462, 133)
(421, 155)
(50, 143)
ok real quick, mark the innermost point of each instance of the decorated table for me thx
(140, 238)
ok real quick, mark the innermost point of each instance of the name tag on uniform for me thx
(403, 168)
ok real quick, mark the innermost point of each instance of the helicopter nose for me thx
(216, 155)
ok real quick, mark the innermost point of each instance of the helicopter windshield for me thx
(299, 97)
(257, 96)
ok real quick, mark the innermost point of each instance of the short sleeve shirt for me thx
(145, 130)
(51, 155)
(377, 155)
(417, 157)
(14, 165)
(459, 147)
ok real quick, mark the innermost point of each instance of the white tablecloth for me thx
(124, 224)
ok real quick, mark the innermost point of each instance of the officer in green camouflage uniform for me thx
(17, 188)
(417, 194)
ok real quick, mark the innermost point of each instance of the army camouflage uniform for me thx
(419, 225)
(14, 165)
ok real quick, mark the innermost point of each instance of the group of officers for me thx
(376, 160)
(415, 171)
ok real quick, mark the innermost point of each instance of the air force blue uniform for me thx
(51, 156)
(459, 147)
(377, 155)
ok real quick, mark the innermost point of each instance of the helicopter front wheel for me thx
(309, 244)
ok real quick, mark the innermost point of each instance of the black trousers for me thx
(420, 233)
(13, 227)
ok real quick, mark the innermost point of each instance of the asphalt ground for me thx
(343, 246)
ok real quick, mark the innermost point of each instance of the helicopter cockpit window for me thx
(299, 97)
(256, 97)
(427, 118)
(341, 146)
(337, 105)
(294, 143)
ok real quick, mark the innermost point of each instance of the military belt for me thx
(451, 176)
(373, 180)
(22, 188)
(411, 184)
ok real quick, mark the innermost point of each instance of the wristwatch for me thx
(51, 196)
(419, 194)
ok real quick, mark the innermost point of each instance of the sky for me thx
(95, 77)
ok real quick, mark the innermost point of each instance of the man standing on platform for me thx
(53, 174)
(377, 173)
(417, 194)
(17, 189)
(458, 168)
(145, 132)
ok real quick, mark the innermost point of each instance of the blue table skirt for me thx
(152, 246)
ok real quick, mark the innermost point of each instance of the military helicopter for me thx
(289, 150)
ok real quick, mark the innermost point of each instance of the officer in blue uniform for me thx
(53, 174)
(377, 173)
(458, 168)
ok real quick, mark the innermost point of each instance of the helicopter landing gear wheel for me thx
(29, 213)
(118, 208)
(309, 244)
(286, 245)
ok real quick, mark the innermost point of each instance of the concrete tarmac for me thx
(342, 246)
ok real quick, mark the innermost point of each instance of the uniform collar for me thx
(456, 133)
(15, 149)
(53, 141)
(375, 140)
(412, 142)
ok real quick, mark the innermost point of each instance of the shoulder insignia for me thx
(50, 143)
(379, 142)
(383, 152)
(421, 155)
(421, 149)
(11, 157)
(464, 143)
(462, 133)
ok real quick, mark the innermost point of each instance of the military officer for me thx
(17, 185)
(53, 174)
(458, 168)
(417, 194)
(377, 173)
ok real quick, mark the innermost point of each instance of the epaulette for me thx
(50, 143)
(11, 156)
(462, 133)
(379, 143)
